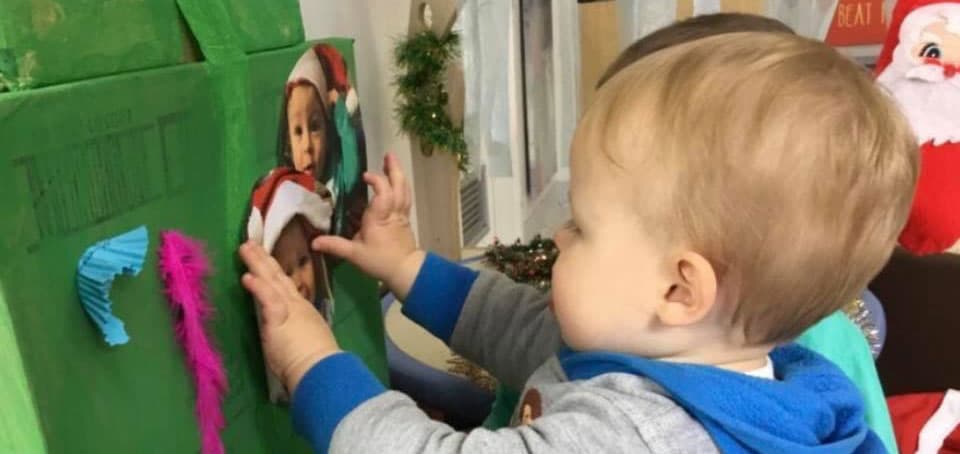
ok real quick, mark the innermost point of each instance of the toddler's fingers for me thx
(398, 182)
(273, 308)
(260, 263)
(266, 268)
(382, 203)
(264, 265)
(408, 200)
(335, 245)
(252, 256)
(379, 183)
(262, 289)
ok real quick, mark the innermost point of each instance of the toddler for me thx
(836, 337)
(726, 194)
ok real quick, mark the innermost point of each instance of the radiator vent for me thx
(474, 215)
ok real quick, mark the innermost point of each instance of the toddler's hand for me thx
(294, 335)
(384, 247)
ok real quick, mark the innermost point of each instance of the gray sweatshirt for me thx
(572, 402)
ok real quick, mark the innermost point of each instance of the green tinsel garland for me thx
(525, 263)
(422, 60)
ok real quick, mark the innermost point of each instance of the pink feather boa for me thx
(183, 268)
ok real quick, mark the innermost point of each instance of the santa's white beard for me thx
(930, 101)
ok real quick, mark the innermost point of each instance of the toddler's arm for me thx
(341, 408)
(505, 327)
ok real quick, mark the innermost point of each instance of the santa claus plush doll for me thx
(920, 65)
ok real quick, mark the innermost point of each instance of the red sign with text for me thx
(857, 23)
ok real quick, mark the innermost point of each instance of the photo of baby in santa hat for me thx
(321, 132)
(288, 209)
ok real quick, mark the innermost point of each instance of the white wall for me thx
(375, 25)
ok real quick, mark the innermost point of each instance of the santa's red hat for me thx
(284, 194)
(308, 71)
(908, 20)
(338, 78)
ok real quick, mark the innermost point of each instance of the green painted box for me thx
(108, 147)
(45, 42)
(266, 25)
(89, 160)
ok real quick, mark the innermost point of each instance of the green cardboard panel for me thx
(266, 25)
(44, 42)
(86, 161)
(358, 322)
(19, 426)
(177, 147)
(83, 162)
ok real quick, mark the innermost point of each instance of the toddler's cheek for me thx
(577, 334)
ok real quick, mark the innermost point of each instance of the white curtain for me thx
(809, 18)
(706, 7)
(484, 29)
(566, 45)
(640, 17)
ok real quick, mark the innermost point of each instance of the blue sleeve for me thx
(329, 391)
(438, 295)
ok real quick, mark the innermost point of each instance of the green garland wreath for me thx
(421, 61)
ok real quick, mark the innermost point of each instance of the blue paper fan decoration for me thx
(99, 265)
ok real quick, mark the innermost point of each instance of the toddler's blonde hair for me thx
(772, 155)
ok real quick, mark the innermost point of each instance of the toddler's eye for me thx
(303, 261)
(930, 50)
(297, 130)
(572, 227)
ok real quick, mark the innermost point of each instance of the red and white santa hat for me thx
(308, 70)
(907, 22)
(283, 194)
(339, 79)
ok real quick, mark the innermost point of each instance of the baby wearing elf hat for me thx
(319, 126)
(305, 117)
(920, 66)
(287, 212)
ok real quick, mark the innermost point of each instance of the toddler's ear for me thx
(692, 293)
